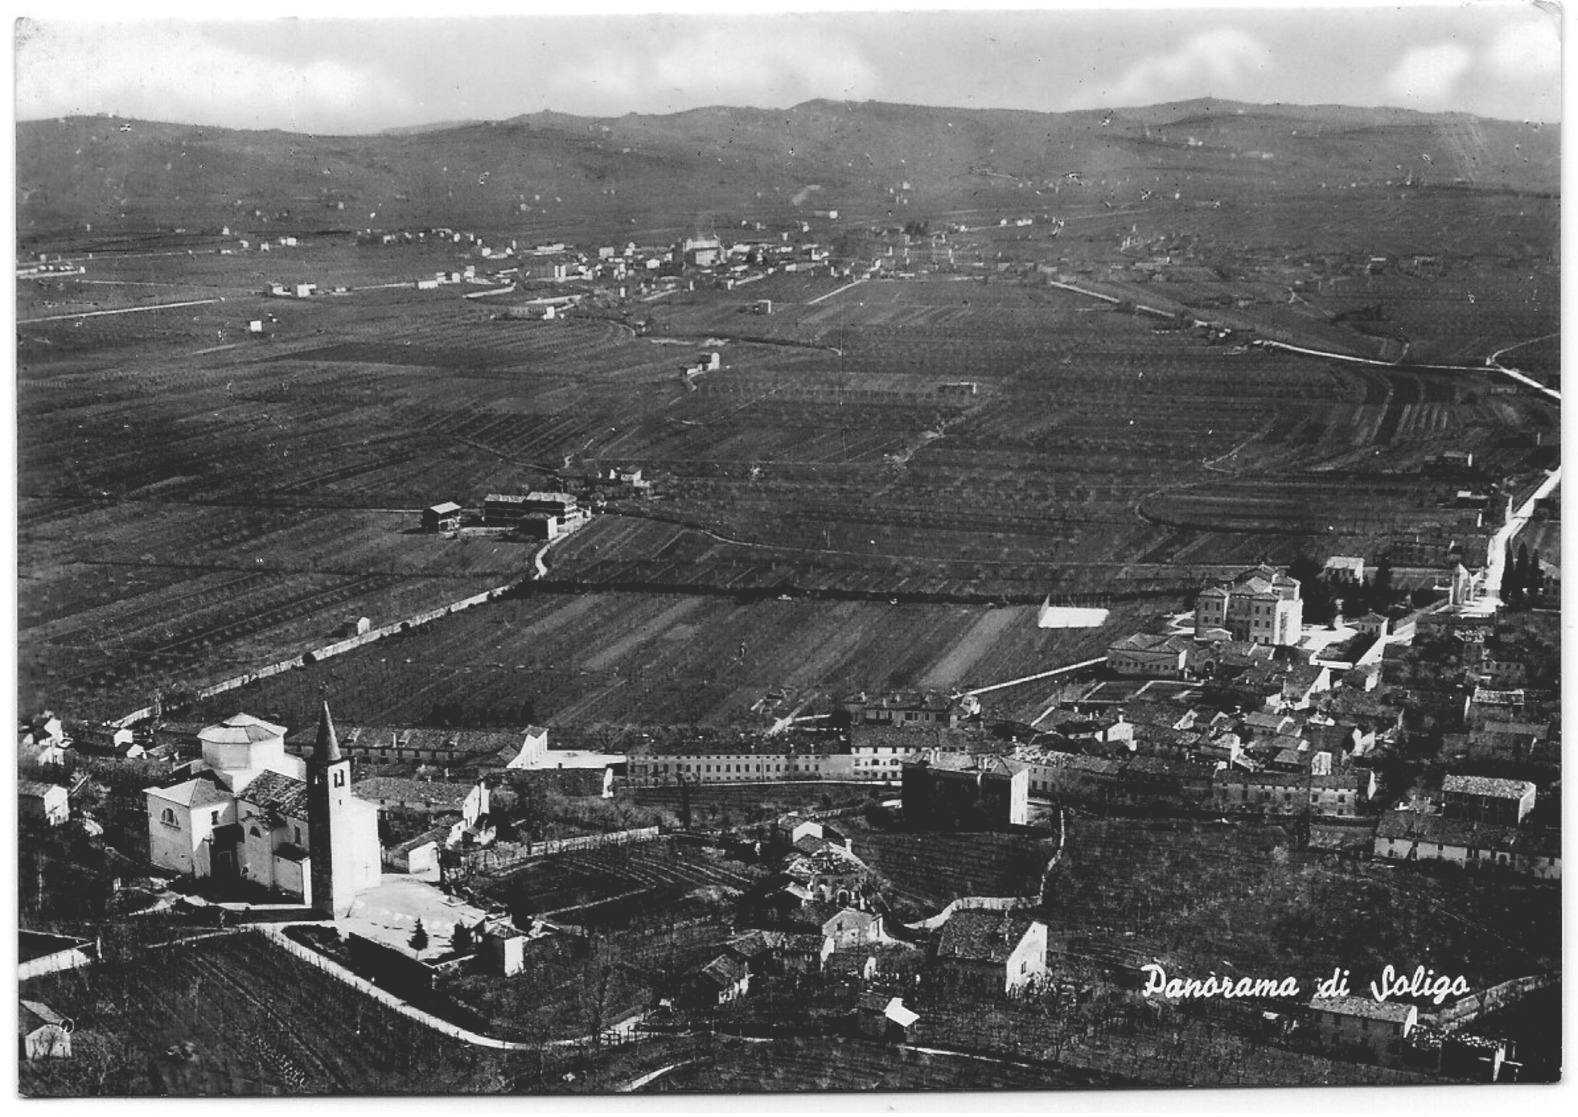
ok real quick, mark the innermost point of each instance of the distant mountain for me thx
(551, 171)
(418, 129)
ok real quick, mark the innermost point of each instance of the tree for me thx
(419, 937)
(1381, 586)
(462, 941)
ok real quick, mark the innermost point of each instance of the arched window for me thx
(168, 818)
(256, 833)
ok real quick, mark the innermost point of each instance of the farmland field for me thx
(195, 502)
(613, 658)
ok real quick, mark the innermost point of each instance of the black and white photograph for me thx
(876, 550)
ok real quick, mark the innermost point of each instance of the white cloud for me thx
(1526, 51)
(750, 64)
(169, 71)
(1223, 62)
(1428, 76)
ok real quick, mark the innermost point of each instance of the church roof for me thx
(275, 792)
(240, 730)
(203, 790)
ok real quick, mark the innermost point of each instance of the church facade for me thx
(248, 811)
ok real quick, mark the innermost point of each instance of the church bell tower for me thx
(329, 823)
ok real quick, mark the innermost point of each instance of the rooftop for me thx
(241, 729)
(1367, 1007)
(1484, 785)
(982, 936)
(275, 792)
(432, 792)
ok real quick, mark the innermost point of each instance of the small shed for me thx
(441, 517)
(883, 1017)
(503, 946)
(43, 1032)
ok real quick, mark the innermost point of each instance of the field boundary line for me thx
(122, 310)
(1042, 675)
(834, 291)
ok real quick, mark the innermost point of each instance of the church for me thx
(249, 811)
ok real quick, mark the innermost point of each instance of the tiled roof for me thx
(202, 790)
(431, 792)
(723, 971)
(241, 729)
(1483, 785)
(982, 936)
(275, 792)
(1367, 1007)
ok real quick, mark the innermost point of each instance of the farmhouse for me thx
(782, 951)
(48, 803)
(1150, 656)
(442, 517)
(1262, 606)
(424, 797)
(1480, 799)
(720, 981)
(1289, 793)
(993, 950)
(509, 509)
(849, 928)
(249, 812)
(1361, 1026)
(1410, 836)
(945, 790)
(903, 708)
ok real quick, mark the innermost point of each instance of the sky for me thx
(335, 74)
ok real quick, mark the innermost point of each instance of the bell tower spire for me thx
(329, 823)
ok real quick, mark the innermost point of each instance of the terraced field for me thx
(260, 1022)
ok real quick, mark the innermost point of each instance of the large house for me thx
(944, 789)
(1481, 799)
(1373, 1030)
(248, 811)
(993, 949)
(1150, 656)
(1261, 606)
(1410, 836)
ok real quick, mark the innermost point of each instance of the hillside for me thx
(556, 174)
